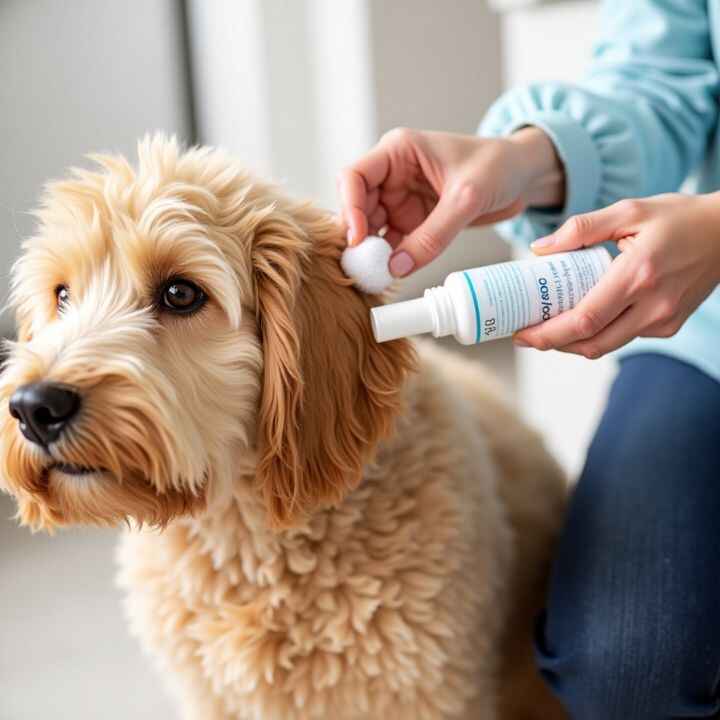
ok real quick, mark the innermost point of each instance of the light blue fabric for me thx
(643, 120)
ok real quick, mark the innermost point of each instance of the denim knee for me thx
(607, 672)
(632, 627)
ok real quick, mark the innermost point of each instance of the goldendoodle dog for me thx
(319, 526)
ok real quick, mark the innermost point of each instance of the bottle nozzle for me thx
(412, 317)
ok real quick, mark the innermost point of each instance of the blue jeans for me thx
(632, 627)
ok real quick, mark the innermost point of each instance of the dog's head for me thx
(181, 326)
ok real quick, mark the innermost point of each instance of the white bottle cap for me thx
(412, 317)
(431, 313)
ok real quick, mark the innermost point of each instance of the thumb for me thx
(583, 231)
(454, 212)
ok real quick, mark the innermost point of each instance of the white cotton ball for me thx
(367, 264)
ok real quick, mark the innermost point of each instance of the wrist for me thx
(544, 171)
(710, 219)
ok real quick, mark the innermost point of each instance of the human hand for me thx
(425, 187)
(670, 262)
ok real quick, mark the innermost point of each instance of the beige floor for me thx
(65, 651)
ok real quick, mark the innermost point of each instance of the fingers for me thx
(610, 223)
(618, 333)
(353, 198)
(454, 211)
(372, 202)
(603, 304)
(450, 216)
(394, 237)
(649, 317)
(356, 185)
(378, 220)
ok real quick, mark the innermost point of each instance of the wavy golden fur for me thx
(321, 527)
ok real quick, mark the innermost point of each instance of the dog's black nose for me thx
(43, 409)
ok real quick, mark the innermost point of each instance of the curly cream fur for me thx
(328, 528)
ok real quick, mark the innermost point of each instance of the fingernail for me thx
(350, 238)
(544, 242)
(519, 342)
(401, 264)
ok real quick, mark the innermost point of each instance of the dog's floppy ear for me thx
(329, 391)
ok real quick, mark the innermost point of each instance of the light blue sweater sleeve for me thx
(640, 121)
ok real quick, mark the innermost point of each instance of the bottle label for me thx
(514, 295)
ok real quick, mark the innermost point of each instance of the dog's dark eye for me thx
(182, 296)
(62, 297)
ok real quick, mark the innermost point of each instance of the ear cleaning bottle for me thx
(491, 302)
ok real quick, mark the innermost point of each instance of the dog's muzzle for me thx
(44, 410)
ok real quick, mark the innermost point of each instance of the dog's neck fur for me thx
(249, 553)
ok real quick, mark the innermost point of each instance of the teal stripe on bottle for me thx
(476, 304)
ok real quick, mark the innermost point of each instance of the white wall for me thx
(563, 395)
(284, 85)
(77, 77)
